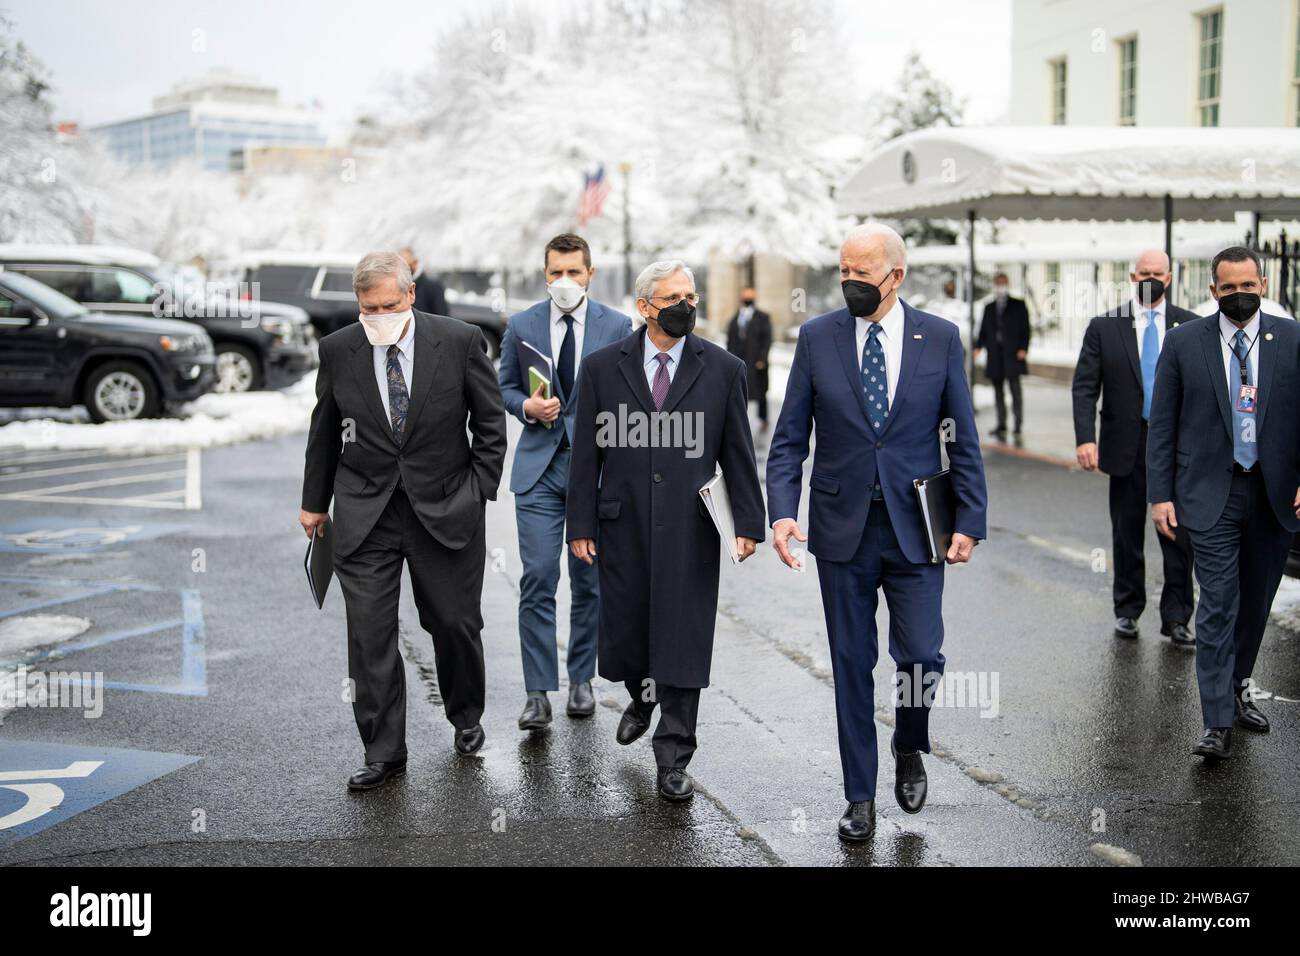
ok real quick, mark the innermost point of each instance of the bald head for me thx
(1151, 275)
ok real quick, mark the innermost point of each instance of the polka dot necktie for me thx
(875, 380)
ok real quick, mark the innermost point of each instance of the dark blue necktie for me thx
(398, 398)
(1244, 450)
(565, 364)
(875, 380)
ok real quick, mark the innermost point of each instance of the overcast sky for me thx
(109, 58)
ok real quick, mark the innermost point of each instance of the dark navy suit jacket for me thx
(825, 393)
(1189, 437)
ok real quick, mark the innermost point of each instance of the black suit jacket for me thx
(1109, 369)
(353, 457)
(1000, 360)
(430, 296)
(658, 550)
(751, 346)
(1189, 438)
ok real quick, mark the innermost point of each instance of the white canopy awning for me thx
(1079, 173)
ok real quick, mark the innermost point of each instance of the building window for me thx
(1058, 91)
(1209, 79)
(1128, 68)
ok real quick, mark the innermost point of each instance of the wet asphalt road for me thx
(1089, 744)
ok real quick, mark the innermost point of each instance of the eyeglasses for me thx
(692, 297)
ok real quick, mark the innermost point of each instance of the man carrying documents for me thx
(882, 384)
(658, 414)
(542, 352)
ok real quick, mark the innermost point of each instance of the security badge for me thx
(1247, 398)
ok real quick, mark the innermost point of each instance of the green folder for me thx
(535, 379)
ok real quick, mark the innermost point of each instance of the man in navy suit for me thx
(1223, 462)
(882, 384)
(567, 327)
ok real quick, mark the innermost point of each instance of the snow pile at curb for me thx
(209, 420)
(1286, 606)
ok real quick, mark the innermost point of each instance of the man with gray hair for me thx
(883, 386)
(395, 396)
(659, 414)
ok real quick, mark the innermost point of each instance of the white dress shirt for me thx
(405, 361)
(1232, 367)
(1139, 313)
(891, 340)
(746, 313)
(558, 329)
(651, 364)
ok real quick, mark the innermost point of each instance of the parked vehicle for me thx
(54, 351)
(321, 283)
(258, 344)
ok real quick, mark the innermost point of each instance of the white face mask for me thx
(566, 294)
(384, 328)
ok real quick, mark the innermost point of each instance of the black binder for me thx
(319, 562)
(938, 504)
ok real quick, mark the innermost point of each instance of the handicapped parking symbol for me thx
(41, 797)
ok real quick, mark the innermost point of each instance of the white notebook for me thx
(714, 494)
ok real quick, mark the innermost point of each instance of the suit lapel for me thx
(591, 334)
(424, 371)
(1127, 323)
(631, 367)
(363, 370)
(1214, 362)
(846, 344)
(914, 343)
(1267, 361)
(686, 375)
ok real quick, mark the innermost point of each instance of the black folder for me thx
(320, 562)
(938, 503)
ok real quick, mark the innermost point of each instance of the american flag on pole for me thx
(595, 189)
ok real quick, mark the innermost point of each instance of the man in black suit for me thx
(430, 296)
(1118, 364)
(1223, 461)
(395, 394)
(1004, 332)
(749, 338)
(658, 413)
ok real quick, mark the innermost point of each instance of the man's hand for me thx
(781, 532)
(1162, 513)
(960, 550)
(542, 409)
(1020, 355)
(745, 547)
(1296, 504)
(584, 549)
(313, 521)
(1087, 455)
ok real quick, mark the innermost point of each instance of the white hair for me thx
(645, 282)
(375, 267)
(895, 248)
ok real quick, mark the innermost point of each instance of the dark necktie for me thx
(398, 398)
(875, 378)
(565, 364)
(659, 392)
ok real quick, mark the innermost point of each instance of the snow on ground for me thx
(209, 420)
(18, 635)
(1286, 606)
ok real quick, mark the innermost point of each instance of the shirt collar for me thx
(649, 350)
(579, 314)
(891, 326)
(1140, 311)
(1229, 330)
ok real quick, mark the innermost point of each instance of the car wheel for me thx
(238, 369)
(121, 391)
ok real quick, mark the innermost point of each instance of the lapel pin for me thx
(916, 335)
(1268, 336)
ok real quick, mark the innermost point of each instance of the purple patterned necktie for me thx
(660, 390)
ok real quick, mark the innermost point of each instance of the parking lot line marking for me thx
(33, 459)
(70, 646)
(136, 502)
(78, 596)
(98, 483)
(193, 485)
(93, 466)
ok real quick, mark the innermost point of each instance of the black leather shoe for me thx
(909, 779)
(1249, 717)
(1216, 744)
(1179, 634)
(675, 784)
(469, 741)
(1126, 627)
(537, 711)
(632, 726)
(376, 774)
(858, 822)
(582, 702)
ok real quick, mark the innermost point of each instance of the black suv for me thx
(258, 344)
(56, 352)
(321, 283)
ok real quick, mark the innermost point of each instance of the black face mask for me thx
(1149, 291)
(677, 319)
(1239, 306)
(746, 302)
(862, 298)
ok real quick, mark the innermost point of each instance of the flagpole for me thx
(626, 169)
